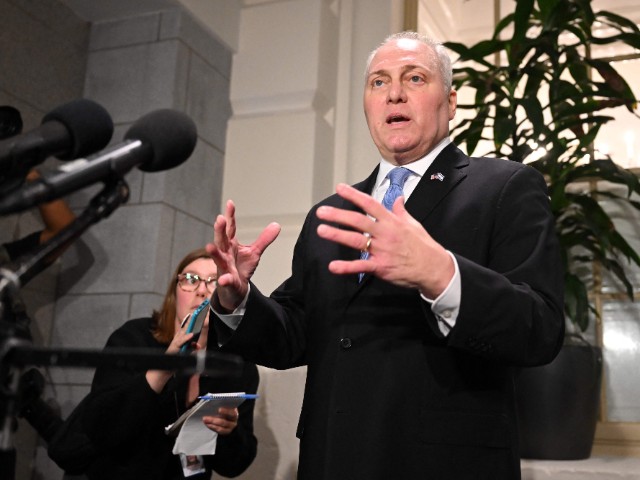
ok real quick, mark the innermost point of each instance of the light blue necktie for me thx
(397, 177)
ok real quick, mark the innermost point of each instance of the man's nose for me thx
(397, 93)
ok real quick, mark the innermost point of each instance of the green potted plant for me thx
(541, 98)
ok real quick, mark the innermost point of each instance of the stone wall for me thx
(120, 267)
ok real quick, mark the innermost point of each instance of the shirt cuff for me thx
(447, 305)
(232, 320)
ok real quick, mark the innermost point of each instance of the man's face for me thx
(406, 107)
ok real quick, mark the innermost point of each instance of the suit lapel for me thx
(446, 171)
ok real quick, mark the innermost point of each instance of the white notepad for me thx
(194, 438)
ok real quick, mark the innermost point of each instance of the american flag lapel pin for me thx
(437, 176)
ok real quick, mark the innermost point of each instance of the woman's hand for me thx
(180, 337)
(157, 379)
(224, 423)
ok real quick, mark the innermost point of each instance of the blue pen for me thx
(246, 396)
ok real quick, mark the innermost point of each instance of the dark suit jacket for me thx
(387, 395)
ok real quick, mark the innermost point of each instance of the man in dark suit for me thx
(410, 366)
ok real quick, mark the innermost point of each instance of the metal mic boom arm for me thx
(114, 193)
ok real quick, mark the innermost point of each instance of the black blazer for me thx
(387, 395)
(125, 419)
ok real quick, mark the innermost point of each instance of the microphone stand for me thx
(16, 350)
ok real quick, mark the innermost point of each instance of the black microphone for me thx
(10, 122)
(74, 129)
(158, 141)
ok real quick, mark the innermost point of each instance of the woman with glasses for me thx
(128, 409)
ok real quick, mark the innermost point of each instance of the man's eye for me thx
(416, 78)
(378, 83)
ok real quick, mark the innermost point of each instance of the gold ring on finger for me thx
(368, 245)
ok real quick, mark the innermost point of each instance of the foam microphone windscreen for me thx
(10, 121)
(88, 123)
(172, 136)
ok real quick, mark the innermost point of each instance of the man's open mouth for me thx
(397, 119)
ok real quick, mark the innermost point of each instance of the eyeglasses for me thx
(189, 282)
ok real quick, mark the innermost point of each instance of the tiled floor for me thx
(594, 468)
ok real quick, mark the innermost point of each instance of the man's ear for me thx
(453, 103)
